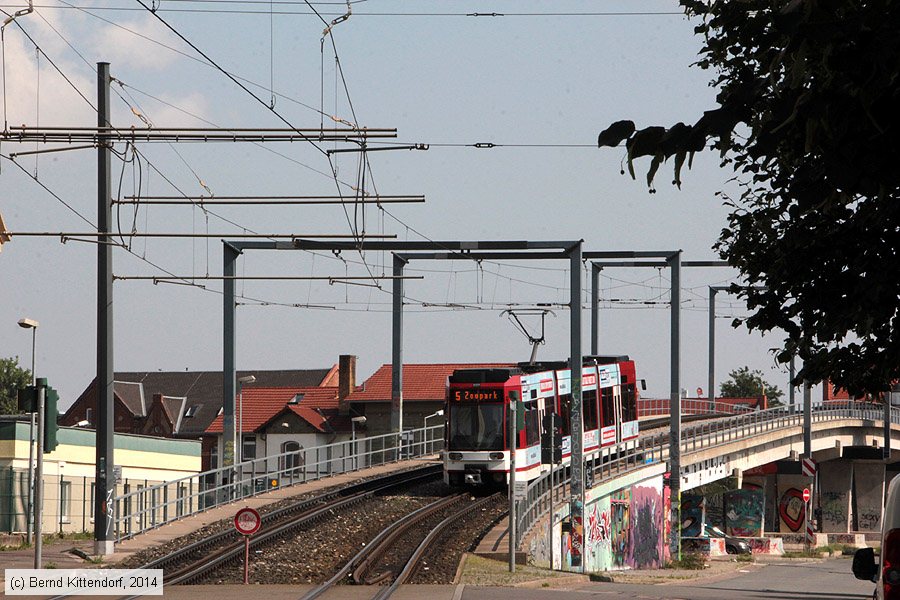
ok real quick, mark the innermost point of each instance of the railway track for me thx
(196, 560)
(361, 568)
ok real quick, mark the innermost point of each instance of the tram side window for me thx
(565, 415)
(629, 403)
(589, 404)
(532, 424)
(606, 403)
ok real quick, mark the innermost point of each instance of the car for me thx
(733, 545)
(886, 575)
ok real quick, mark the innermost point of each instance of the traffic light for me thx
(51, 416)
(27, 397)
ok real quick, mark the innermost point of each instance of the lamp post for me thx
(353, 421)
(31, 324)
(239, 443)
(439, 413)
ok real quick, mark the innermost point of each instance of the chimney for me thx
(346, 381)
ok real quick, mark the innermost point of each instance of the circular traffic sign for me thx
(247, 521)
(806, 494)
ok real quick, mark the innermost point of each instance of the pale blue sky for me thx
(448, 81)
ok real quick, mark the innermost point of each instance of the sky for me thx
(539, 80)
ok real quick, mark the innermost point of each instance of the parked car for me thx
(886, 575)
(733, 545)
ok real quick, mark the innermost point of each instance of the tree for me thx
(744, 383)
(12, 377)
(807, 118)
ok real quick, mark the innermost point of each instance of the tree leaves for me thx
(813, 88)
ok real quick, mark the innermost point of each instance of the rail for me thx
(552, 487)
(150, 507)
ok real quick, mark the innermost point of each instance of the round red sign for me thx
(806, 494)
(247, 521)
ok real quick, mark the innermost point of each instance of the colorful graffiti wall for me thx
(626, 529)
(693, 515)
(744, 512)
(791, 508)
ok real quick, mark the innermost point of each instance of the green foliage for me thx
(744, 383)
(691, 561)
(12, 377)
(807, 118)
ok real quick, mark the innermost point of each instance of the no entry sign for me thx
(806, 494)
(247, 521)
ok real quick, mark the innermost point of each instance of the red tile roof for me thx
(424, 382)
(261, 404)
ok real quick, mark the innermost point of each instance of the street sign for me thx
(520, 491)
(247, 521)
(806, 495)
(808, 467)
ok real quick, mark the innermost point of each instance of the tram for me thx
(477, 448)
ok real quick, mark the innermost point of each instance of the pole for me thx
(576, 509)
(512, 483)
(246, 559)
(239, 433)
(397, 349)
(886, 452)
(39, 475)
(675, 407)
(28, 515)
(230, 256)
(105, 483)
(807, 419)
(595, 308)
(711, 394)
(791, 400)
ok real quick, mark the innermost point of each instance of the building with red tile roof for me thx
(424, 391)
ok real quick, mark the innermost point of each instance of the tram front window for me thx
(476, 427)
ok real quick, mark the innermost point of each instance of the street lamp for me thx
(353, 421)
(439, 413)
(239, 446)
(26, 323)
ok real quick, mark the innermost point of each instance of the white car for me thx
(887, 574)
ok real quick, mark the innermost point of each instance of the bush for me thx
(692, 561)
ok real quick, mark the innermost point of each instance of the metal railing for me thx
(150, 507)
(649, 407)
(552, 487)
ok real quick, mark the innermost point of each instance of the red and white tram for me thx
(476, 439)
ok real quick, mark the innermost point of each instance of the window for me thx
(532, 424)
(190, 412)
(565, 414)
(589, 407)
(291, 458)
(629, 403)
(476, 426)
(65, 499)
(608, 407)
(248, 448)
(89, 415)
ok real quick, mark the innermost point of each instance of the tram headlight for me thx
(496, 455)
(455, 456)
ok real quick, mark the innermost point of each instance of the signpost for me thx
(808, 467)
(247, 522)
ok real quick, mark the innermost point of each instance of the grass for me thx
(690, 561)
(746, 558)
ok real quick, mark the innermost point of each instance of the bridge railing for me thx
(150, 507)
(548, 490)
(649, 407)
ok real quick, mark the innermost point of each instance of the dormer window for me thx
(190, 412)
(296, 399)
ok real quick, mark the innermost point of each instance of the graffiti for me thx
(693, 515)
(869, 521)
(598, 526)
(620, 504)
(792, 509)
(645, 547)
(763, 545)
(834, 511)
(577, 533)
(744, 514)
